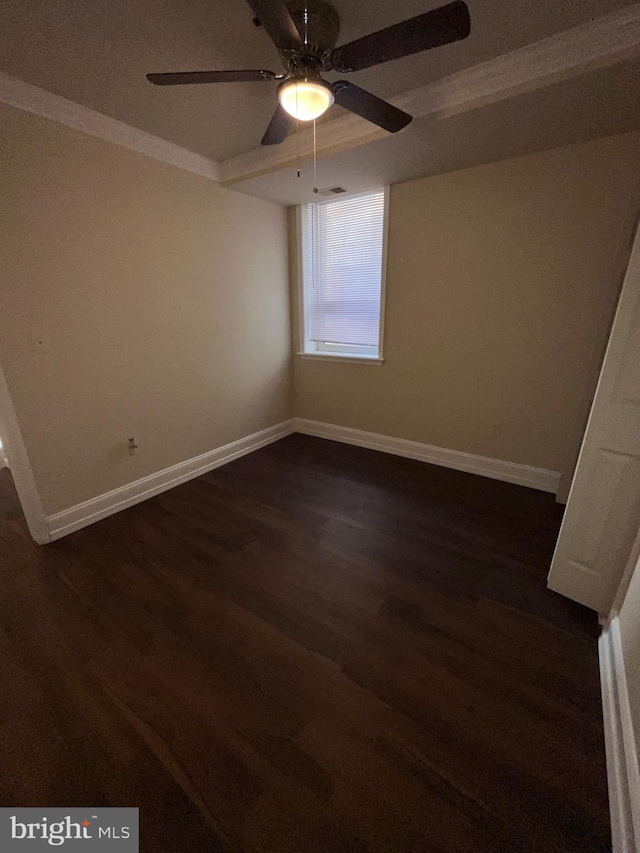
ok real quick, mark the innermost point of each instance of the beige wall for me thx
(629, 617)
(165, 299)
(497, 279)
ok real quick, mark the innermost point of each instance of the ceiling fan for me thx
(305, 33)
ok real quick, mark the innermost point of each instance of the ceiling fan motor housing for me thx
(318, 23)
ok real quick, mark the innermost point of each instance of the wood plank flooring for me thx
(314, 649)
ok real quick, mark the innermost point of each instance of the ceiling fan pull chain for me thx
(297, 135)
(315, 159)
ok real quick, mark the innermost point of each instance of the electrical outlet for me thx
(133, 446)
(496, 429)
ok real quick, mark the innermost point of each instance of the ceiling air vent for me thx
(331, 191)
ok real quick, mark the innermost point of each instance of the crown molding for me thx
(605, 41)
(40, 102)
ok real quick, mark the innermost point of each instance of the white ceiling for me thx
(96, 52)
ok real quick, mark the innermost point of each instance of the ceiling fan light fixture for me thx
(305, 33)
(305, 99)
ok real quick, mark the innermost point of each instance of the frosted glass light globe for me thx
(305, 99)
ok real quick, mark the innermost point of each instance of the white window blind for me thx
(343, 270)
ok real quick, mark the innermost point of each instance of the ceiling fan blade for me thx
(370, 107)
(278, 23)
(440, 26)
(181, 78)
(279, 128)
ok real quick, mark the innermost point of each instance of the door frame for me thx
(20, 467)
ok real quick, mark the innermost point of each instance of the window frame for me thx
(308, 349)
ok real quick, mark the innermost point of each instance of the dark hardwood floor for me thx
(313, 648)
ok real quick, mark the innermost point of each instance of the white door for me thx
(603, 511)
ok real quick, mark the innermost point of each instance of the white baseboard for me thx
(497, 469)
(65, 522)
(83, 514)
(622, 758)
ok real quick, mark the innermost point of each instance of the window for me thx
(342, 248)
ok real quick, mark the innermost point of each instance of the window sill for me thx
(339, 356)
